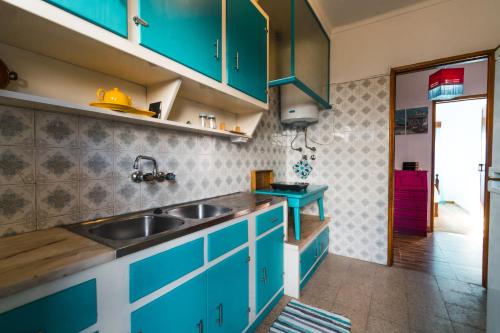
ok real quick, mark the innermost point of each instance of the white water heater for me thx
(297, 108)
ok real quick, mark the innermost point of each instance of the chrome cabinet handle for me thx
(264, 278)
(137, 20)
(200, 326)
(216, 49)
(237, 58)
(220, 320)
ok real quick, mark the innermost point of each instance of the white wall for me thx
(430, 31)
(458, 152)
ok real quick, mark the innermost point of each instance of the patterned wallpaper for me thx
(352, 159)
(58, 169)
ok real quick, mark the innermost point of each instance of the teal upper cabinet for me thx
(247, 48)
(227, 290)
(181, 310)
(269, 267)
(188, 32)
(300, 51)
(68, 311)
(109, 14)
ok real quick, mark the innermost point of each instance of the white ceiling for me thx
(342, 12)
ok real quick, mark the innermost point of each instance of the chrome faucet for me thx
(159, 176)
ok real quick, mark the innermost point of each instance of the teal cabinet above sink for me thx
(189, 32)
(247, 48)
(109, 14)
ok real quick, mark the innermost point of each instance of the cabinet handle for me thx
(264, 273)
(237, 58)
(274, 219)
(216, 49)
(220, 321)
(137, 20)
(200, 326)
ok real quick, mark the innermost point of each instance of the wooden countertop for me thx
(34, 258)
(310, 226)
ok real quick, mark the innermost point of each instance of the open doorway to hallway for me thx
(437, 221)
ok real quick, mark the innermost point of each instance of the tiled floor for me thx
(390, 299)
(449, 255)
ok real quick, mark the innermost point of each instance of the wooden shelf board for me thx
(310, 227)
(84, 44)
(17, 99)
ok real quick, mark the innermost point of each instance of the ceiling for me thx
(342, 12)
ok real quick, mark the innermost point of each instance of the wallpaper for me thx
(59, 169)
(352, 159)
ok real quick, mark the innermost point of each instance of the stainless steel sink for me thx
(199, 211)
(137, 227)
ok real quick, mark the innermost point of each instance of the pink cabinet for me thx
(410, 202)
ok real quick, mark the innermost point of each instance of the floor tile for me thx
(465, 316)
(460, 328)
(377, 325)
(390, 309)
(428, 323)
(358, 317)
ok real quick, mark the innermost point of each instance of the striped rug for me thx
(297, 317)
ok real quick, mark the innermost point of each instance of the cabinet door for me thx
(109, 14)
(247, 48)
(188, 32)
(308, 257)
(68, 311)
(227, 290)
(269, 267)
(180, 310)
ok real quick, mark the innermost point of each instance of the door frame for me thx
(433, 171)
(490, 56)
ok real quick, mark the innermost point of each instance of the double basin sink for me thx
(137, 231)
(148, 225)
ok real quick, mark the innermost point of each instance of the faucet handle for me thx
(148, 177)
(160, 176)
(137, 176)
(170, 176)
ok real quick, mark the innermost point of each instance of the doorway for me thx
(459, 159)
(432, 250)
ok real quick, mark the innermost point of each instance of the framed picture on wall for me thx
(417, 120)
(400, 122)
(411, 121)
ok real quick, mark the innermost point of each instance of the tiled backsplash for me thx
(58, 169)
(352, 159)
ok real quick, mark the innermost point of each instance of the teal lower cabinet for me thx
(302, 262)
(70, 310)
(156, 271)
(180, 310)
(269, 267)
(227, 294)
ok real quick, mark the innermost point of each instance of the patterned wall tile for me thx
(96, 195)
(57, 199)
(129, 137)
(56, 130)
(17, 126)
(57, 164)
(17, 165)
(96, 164)
(17, 204)
(127, 196)
(96, 134)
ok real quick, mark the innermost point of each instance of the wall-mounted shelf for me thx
(17, 99)
(44, 29)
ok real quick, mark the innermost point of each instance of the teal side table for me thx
(296, 200)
